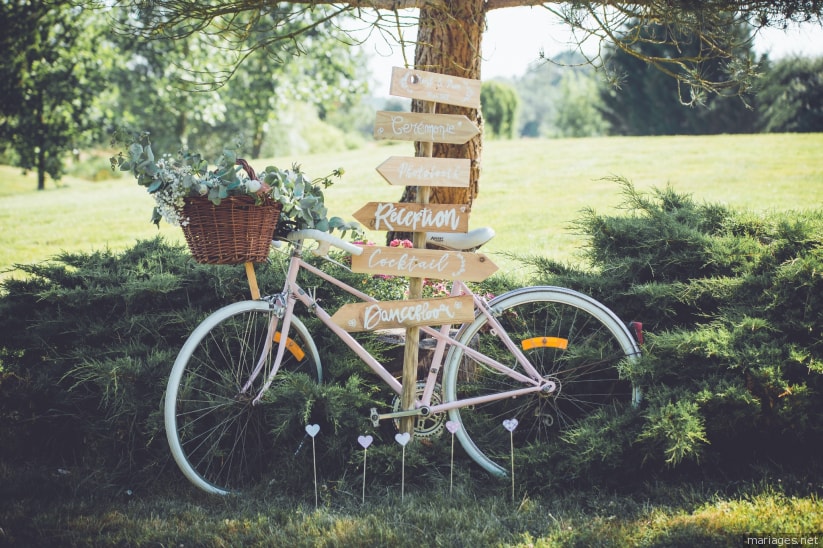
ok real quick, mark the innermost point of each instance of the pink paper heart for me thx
(510, 424)
(312, 429)
(452, 426)
(365, 441)
(403, 438)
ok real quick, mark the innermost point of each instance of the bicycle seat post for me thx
(252, 277)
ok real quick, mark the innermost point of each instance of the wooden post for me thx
(426, 128)
(412, 350)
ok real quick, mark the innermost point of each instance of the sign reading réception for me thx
(413, 217)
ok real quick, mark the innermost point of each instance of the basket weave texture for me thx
(237, 231)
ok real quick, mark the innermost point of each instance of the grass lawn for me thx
(477, 515)
(530, 190)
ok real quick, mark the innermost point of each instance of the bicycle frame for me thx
(283, 306)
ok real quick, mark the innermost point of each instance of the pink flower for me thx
(401, 243)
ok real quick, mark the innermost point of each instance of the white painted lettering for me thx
(415, 314)
(390, 217)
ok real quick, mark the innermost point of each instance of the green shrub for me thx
(731, 302)
(732, 305)
(88, 341)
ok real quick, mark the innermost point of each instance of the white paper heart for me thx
(403, 438)
(365, 441)
(312, 429)
(452, 426)
(510, 424)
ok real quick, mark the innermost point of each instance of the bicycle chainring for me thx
(424, 427)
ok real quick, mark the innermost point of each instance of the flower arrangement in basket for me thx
(230, 214)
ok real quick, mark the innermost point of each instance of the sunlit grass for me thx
(475, 515)
(530, 190)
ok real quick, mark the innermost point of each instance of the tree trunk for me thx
(41, 168)
(257, 139)
(448, 42)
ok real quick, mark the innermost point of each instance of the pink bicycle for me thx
(547, 356)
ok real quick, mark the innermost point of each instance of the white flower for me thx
(253, 185)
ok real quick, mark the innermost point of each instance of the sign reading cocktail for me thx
(410, 313)
(429, 128)
(423, 263)
(412, 217)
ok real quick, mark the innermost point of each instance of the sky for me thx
(515, 37)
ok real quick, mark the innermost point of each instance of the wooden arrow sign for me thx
(431, 86)
(423, 263)
(424, 127)
(423, 171)
(413, 217)
(415, 312)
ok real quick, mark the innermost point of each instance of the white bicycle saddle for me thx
(471, 240)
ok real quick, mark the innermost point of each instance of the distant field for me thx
(530, 190)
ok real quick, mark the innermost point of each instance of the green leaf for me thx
(135, 151)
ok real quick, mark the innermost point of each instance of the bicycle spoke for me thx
(219, 439)
(570, 340)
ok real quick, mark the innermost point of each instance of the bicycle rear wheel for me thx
(222, 442)
(570, 339)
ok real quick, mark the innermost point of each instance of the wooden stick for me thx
(412, 350)
(253, 288)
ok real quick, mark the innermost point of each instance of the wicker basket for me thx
(236, 231)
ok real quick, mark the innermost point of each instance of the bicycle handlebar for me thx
(325, 240)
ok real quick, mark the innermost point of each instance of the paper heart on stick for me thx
(365, 441)
(403, 438)
(510, 424)
(452, 426)
(312, 429)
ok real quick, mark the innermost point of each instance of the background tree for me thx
(579, 109)
(791, 96)
(641, 101)
(540, 93)
(500, 104)
(50, 72)
(160, 87)
(449, 37)
(318, 73)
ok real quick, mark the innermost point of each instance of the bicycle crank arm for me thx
(377, 417)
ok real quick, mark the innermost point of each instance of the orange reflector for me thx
(545, 342)
(291, 346)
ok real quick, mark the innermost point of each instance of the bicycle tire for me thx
(220, 440)
(570, 338)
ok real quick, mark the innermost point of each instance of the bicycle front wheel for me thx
(221, 440)
(570, 339)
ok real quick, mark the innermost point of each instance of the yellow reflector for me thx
(291, 346)
(545, 342)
